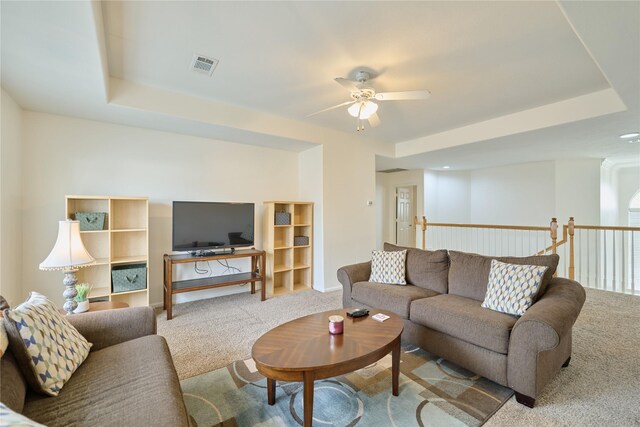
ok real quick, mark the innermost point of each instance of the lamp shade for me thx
(363, 109)
(69, 251)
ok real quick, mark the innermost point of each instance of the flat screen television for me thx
(203, 226)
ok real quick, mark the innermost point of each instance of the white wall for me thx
(577, 185)
(515, 194)
(628, 184)
(11, 201)
(72, 156)
(521, 194)
(447, 196)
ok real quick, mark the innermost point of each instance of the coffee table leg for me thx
(308, 399)
(271, 391)
(395, 367)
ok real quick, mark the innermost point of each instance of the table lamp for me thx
(68, 254)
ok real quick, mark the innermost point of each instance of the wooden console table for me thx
(170, 287)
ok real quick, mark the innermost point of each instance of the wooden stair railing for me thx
(619, 259)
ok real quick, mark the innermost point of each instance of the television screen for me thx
(210, 225)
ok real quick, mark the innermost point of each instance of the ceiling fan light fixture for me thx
(354, 110)
(368, 109)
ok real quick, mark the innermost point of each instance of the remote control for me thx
(358, 312)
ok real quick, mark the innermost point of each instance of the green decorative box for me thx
(90, 221)
(131, 277)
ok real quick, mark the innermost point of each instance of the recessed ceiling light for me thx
(446, 167)
(629, 135)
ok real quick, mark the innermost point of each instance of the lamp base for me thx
(70, 292)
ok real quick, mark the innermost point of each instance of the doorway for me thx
(405, 213)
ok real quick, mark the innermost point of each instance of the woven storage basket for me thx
(130, 277)
(91, 220)
(283, 218)
(300, 240)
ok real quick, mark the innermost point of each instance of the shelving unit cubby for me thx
(289, 267)
(123, 240)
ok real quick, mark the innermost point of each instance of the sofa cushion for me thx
(388, 267)
(463, 318)
(426, 269)
(389, 297)
(47, 347)
(469, 273)
(129, 384)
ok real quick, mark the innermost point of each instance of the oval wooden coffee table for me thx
(304, 350)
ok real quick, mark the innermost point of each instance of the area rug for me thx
(433, 392)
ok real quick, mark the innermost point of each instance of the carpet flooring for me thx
(209, 334)
(432, 392)
(600, 387)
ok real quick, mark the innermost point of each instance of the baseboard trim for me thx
(333, 289)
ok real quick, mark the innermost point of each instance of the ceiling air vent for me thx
(203, 64)
(393, 170)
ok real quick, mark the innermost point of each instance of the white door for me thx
(405, 235)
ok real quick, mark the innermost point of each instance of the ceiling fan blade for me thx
(332, 108)
(347, 84)
(397, 96)
(374, 120)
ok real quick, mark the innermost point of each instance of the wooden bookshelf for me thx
(123, 240)
(289, 267)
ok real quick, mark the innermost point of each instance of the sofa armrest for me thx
(351, 274)
(544, 328)
(109, 327)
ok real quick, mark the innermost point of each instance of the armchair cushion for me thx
(110, 327)
(133, 383)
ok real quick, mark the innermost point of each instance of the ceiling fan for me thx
(363, 96)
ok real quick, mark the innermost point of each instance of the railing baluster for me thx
(623, 265)
(614, 266)
(633, 263)
(597, 243)
(588, 257)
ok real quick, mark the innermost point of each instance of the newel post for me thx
(423, 223)
(553, 229)
(571, 251)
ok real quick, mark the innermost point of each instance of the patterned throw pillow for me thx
(512, 287)
(10, 418)
(388, 267)
(48, 348)
(4, 340)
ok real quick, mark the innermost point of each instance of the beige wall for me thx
(11, 201)
(72, 156)
(386, 184)
(349, 224)
(311, 189)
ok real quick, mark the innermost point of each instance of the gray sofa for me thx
(128, 379)
(441, 309)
